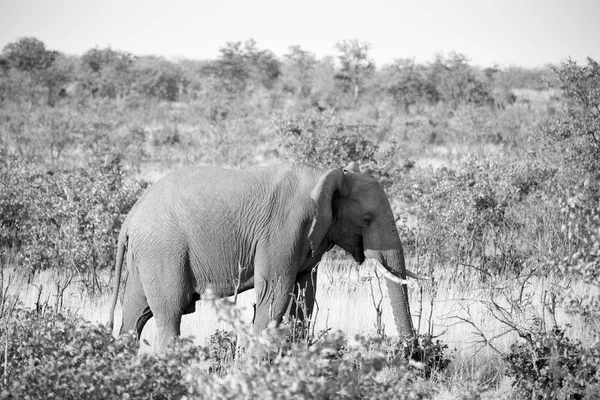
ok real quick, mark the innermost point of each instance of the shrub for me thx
(432, 354)
(62, 357)
(52, 355)
(328, 366)
(222, 347)
(456, 81)
(333, 367)
(578, 132)
(550, 365)
(324, 140)
(581, 234)
(64, 218)
(464, 213)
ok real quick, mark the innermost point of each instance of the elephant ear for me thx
(353, 167)
(323, 194)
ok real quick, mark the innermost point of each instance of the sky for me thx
(528, 33)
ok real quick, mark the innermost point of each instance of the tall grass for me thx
(346, 298)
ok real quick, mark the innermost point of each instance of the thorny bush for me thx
(552, 366)
(51, 355)
(63, 218)
(56, 356)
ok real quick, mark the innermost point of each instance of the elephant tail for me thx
(121, 247)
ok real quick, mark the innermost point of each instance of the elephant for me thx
(264, 228)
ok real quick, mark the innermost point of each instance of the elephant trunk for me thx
(393, 261)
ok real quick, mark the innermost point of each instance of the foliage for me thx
(33, 65)
(583, 230)
(29, 54)
(431, 354)
(582, 233)
(356, 66)
(240, 66)
(309, 372)
(324, 140)
(64, 218)
(243, 69)
(551, 366)
(407, 84)
(56, 356)
(59, 356)
(298, 70)
(481, 201)
(578, 133)
(519, 77)
(222, 348)
(456, 82)
(107, 72)
(157, 78)
(272, 366)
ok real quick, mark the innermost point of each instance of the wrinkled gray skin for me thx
(197, 226)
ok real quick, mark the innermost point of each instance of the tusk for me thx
(387, 274)
(415, 275)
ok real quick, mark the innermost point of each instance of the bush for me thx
(432, 354)
(550, 366)
(456, 82)
(59, 356)
(324, 140)
(55, 356)
(222, 347)
(581, 233)
(68, 219)
(465, 213)
(333, 367)
(578, 132)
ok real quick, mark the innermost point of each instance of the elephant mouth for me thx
(359, 255)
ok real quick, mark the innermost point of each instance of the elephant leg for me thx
(169, 327)
(304, 291)
(168, 289)
(168, 308)
(273, 296)
(168, 298)
(136, 311)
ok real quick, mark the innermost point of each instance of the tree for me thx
(323, 83)
(29, 54)
(578, 133)
(34, 65)
(107, 72)
(299, 66)
(242, 66)
(61, 72)
(356, 66)
(6, 86)
(406, 83)
(157, 77)
(456, 81)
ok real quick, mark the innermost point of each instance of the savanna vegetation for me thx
(493, 175)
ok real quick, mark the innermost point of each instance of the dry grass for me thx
(345, 301)
(346, 294)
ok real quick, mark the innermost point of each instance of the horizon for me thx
(504, 34)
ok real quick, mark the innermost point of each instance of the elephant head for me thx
(354, 213)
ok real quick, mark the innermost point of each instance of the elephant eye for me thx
(367, 220)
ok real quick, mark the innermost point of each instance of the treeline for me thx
(31, 73)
